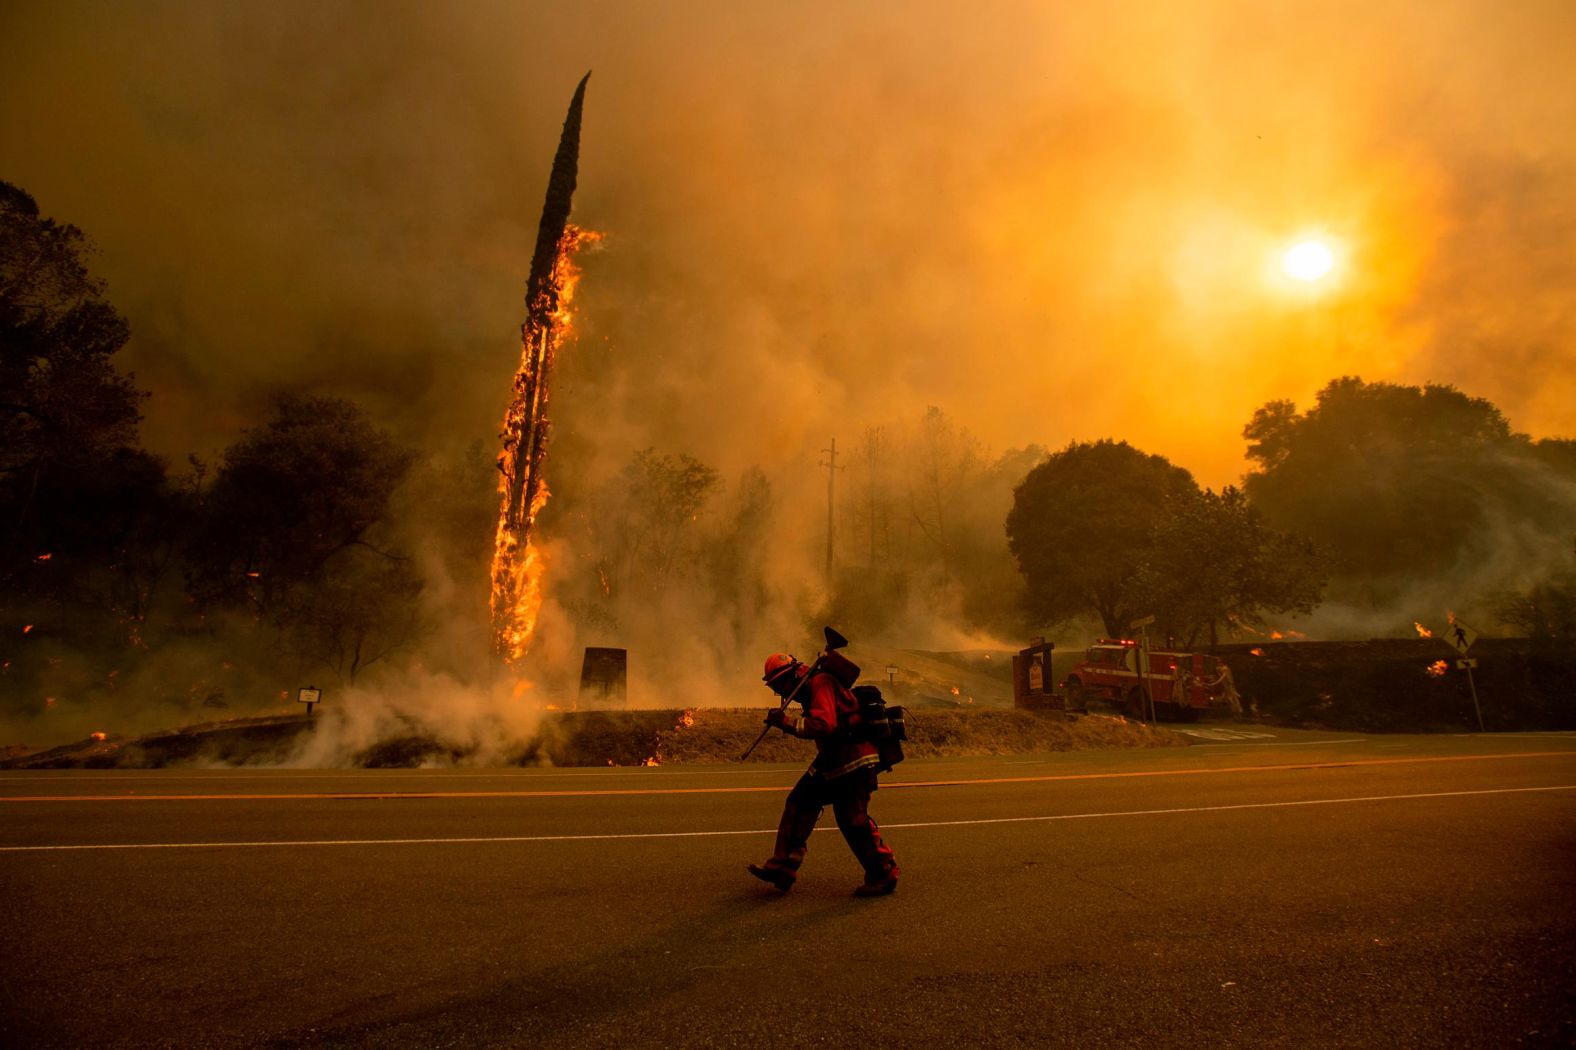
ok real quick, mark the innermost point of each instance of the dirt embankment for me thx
(620, 738)
(1408, 685)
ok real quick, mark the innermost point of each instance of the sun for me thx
(1309, 260)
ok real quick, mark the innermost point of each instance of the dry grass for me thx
(705, 736)
(721, 735)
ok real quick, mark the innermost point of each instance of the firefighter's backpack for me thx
(882, 725)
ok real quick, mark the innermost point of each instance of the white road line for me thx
(768, 831)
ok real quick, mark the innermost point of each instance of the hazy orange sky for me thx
(1054, 221)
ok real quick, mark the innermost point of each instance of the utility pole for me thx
(875, 446)
(831, 479)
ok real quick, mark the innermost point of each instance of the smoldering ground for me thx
(1052, 224)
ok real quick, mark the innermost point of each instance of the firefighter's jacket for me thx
(831, 719)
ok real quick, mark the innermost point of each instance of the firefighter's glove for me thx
(779, 718)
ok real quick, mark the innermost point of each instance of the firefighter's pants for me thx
(849, 797)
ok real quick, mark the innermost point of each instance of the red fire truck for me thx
(1180, 684)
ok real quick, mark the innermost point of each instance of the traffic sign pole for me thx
(1475, 705)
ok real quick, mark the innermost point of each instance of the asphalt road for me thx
(1292, 889)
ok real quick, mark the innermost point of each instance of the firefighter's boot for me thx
(778, 875)
(879, 884)
(878, 888)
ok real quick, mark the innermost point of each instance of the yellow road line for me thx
(581, 793)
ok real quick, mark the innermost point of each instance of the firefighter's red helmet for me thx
(777, 665)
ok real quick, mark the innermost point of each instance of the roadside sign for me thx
(1460, 636)
(1145, 622)
(1470, 661)
(309, 695)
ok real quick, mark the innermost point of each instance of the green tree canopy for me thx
(1082, 524)
(1405, 482)
(1217, 564)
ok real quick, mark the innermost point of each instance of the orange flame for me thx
(686, 720)
(1256, 652)
(1422, 632)
(99, 736)
(518, 567)
(1437, 669)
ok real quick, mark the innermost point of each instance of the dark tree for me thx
(1217, 564)
(84, 512)
(1084, 521)
(1404, 482)
(644, 523)
(289, 497)
(364, 608)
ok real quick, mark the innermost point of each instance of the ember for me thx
(99, 736)
(518, 566)
(1256, 652)
(1437, 669)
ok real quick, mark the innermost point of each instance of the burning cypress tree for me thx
(517, 563)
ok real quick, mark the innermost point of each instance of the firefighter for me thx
(843, 776)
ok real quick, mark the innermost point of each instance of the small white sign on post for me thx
(309, 695)
(1467, 664)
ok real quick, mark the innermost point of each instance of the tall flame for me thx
(1422, 632)
(518, 565)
